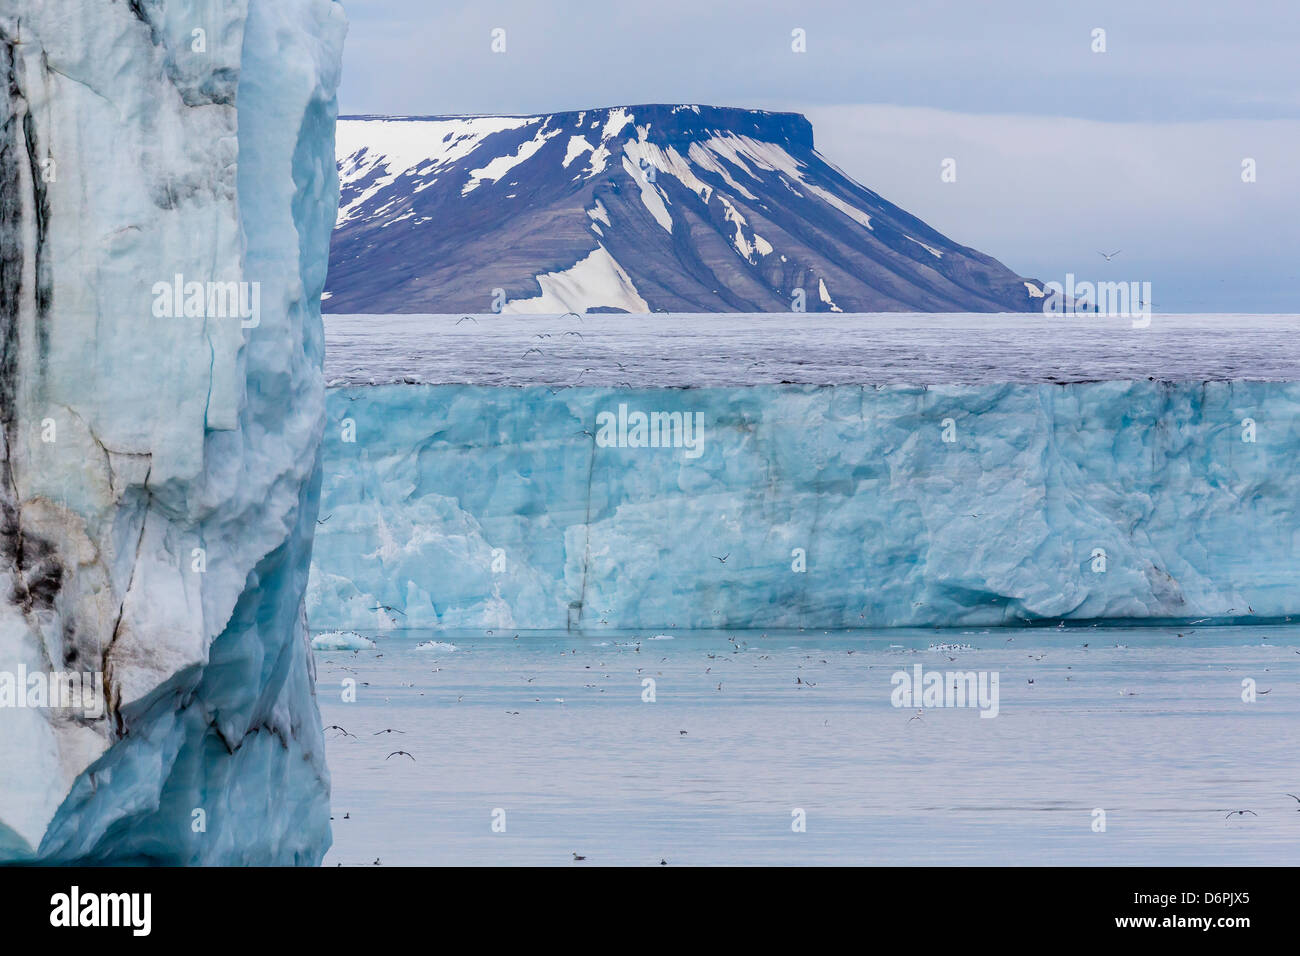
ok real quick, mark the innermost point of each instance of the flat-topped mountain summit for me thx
(634, 209)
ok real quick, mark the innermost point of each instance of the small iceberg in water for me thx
(341, 641)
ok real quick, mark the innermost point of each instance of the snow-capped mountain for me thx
(636, 209)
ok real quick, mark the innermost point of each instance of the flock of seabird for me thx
(737, 647)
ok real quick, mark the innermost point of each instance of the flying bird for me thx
(340, 730)
(324, 519)
(398, 753)
(467, 318)
(532, 350)
(390, 730)
(1241, 813)
(723, 559)
(1111, 255)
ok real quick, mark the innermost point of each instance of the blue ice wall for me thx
(476, 507)
(157, 540)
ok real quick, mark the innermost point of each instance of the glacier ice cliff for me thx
(159, 468)
(476, 507)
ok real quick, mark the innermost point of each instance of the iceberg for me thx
(466, 507)
(341, 641)
(440, 646)
(168, 185)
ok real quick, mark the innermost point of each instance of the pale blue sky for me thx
(1060, 151)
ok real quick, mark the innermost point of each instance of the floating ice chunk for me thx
(341, 641)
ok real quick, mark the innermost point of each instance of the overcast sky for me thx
(1060, 151)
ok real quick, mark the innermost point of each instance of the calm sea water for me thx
(648, 351)
(1148, 725)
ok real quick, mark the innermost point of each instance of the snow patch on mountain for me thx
(595, 281)
(932, 250)
(650, 194)
(599, 212)
(614, 125)
(497, 168)
(577, 146)
(379, 151)
(824, 294)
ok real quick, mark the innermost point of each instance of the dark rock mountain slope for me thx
(637, 209)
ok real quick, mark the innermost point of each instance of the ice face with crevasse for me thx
(473, 507)
(169, 187)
